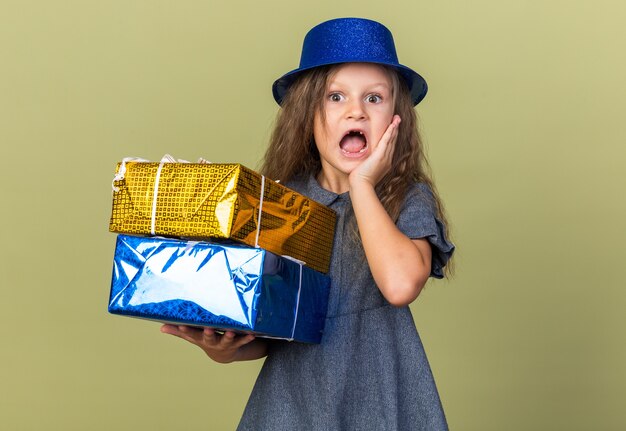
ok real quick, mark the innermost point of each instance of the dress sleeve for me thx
(418, 220)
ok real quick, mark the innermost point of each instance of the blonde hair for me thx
(292, 152)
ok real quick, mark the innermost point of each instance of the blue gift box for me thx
(225, 286)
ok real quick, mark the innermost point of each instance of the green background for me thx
(525, 135)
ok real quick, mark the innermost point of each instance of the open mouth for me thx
(354, 142)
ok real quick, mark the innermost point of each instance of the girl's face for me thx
(358, 107)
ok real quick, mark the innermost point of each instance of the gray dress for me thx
(370, 372)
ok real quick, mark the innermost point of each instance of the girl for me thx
(346, 136)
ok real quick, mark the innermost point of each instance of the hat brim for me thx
(416, 84)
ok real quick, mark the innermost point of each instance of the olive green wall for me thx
(523, 127)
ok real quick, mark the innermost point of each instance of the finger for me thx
(181, 331)
(391, 144)
(395, 125)
(384, 140)
(226, 340)
(212, 338)
(209, 337)
(384, 151)
(191, 331)
(392, 128)
(390, 134)
(243, 340)
(168, 329)
(172, 330)
(230, 340)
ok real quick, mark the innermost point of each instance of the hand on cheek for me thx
(379, 162)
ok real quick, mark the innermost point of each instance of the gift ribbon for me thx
(119, 176)
(295, 318)
(165, 159)
(258, 220)
(155, 193)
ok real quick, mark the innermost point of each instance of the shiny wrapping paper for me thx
(224, 286)
(206, 201)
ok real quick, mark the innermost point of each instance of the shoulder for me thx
(420, 199)
(298, 184)
(419, 206)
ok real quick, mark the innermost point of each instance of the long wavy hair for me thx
(292, 152)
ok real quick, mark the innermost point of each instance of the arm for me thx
(400, 266)
(221, 348)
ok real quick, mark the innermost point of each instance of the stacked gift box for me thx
(219, 245)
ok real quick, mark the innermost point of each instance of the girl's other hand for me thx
(374, 168)
(221, 348)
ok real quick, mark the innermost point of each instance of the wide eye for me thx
(335, 97)
(374, 98)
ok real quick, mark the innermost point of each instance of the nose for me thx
(355, 110)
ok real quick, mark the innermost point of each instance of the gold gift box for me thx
(215, 200)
